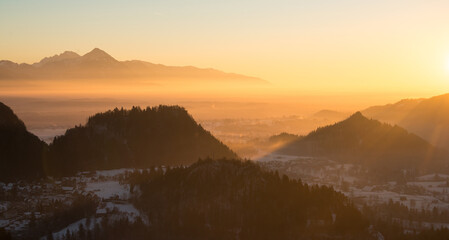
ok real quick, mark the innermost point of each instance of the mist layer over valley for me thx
(226, 120)
(97, 148)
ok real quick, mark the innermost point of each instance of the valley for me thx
(224, 120)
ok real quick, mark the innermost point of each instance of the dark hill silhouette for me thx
(230, 199)
(384, 149)
(21, 152)
(283, 138)
(98, 64)
(428, 118)
(163, 135)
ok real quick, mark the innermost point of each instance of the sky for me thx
(319, 46)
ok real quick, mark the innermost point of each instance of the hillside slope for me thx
(428, 118)
(381, 148)
(230, 199)
(21, 153)
(163, 135)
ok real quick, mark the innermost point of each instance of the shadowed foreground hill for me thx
(381, 148)
(164, 135)
(21, 152)
(231, 199)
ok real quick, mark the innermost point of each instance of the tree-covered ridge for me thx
(283, 138)
(376, 145)
(231, 199)
(162, 135)
(21, 152)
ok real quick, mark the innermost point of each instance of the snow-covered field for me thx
(113, 195)
(281, 158)
(119, 209)
(411, 201)
(433, 176)
(108, 189)
(112, 172)
(426, 192)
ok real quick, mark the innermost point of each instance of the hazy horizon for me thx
(305, 47)
(288, 119)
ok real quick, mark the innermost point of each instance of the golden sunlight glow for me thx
(447, 65)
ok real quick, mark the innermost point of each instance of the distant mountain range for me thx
(426, 117)
(385, 150)
(97, 64)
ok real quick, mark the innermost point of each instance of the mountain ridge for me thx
(426, 117)
(99, 64)
(372, 144)
(162, 135)
(58, 57)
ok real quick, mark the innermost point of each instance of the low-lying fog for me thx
(241, 115)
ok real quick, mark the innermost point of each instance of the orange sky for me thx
(307, 47)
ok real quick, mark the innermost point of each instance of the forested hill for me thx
(21, 152)
(231, 199)
(380, 147)
(163, 135)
